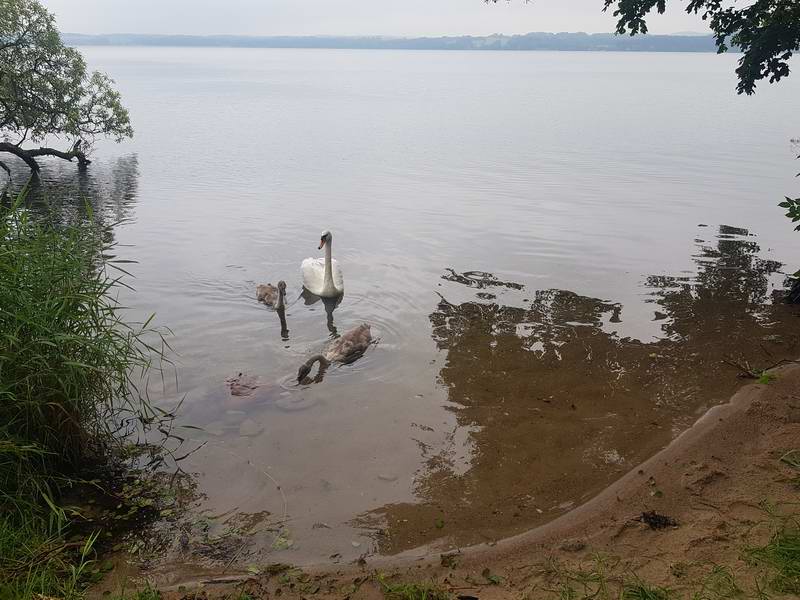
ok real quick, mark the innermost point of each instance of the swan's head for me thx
(282, 286)
(303, 372)
(324, 238)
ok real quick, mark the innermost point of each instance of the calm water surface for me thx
(625, 205)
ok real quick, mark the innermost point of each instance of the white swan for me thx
(323, 278)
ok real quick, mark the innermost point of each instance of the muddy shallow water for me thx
(558, 288)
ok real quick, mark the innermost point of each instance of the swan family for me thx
(322, 277)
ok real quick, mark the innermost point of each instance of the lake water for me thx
(624, 205)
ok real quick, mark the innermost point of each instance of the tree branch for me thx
(74, 152)
(29, 156)
(20, 153)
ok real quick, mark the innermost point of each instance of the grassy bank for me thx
(70, 366)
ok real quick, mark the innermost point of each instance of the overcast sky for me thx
(348, 17)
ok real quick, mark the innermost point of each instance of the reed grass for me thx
(37, 562)
(71, 373)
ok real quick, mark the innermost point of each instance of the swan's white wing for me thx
(338, 276)
(313, 270)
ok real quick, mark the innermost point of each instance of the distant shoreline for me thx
(595, 42)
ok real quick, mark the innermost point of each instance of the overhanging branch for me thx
(20, 153)
(29, 156)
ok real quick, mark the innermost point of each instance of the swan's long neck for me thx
(306, 367)
(324, 362)
(327, 283)
(281, 303)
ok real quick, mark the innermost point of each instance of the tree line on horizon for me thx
(766, 31)
(566, 41)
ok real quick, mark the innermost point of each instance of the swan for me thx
(272, 296)
(345, 349)
(323, 278)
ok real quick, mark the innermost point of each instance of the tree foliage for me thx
(766, 31)
(46, 90)
(792, 205)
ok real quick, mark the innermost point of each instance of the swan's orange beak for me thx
(321, 243)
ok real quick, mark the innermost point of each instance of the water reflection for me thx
(555, 405)
(479, 279)
(284, 326)
(330, 305)
(60, 191)
(727, 295)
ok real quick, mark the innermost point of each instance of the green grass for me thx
(781, 556)
(413, 590)
(69, 363)
(35, 559)
(148, 593)
(720, 584)
(70, 373)
(595, 582)
(640, 590)
(767, 378)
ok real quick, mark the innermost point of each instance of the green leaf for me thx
(491, 577)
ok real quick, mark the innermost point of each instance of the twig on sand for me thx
(746, 370)
(234, 556)
(783, 361)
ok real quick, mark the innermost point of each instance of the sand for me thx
(722, 481)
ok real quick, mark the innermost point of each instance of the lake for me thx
(557, 251)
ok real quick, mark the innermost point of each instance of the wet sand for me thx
(715, 480)
(557, 405)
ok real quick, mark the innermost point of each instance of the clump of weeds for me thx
(418, 590)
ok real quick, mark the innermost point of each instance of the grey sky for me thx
(347, 17)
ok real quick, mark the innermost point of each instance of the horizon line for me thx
(390, 37)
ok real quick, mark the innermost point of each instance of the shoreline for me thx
(693, 480)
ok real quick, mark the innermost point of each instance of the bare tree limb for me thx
(30, 155)
(20, 153)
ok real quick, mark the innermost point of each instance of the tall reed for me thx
(71, 373)
(70, 364)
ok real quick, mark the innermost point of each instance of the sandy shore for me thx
(721, 481)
